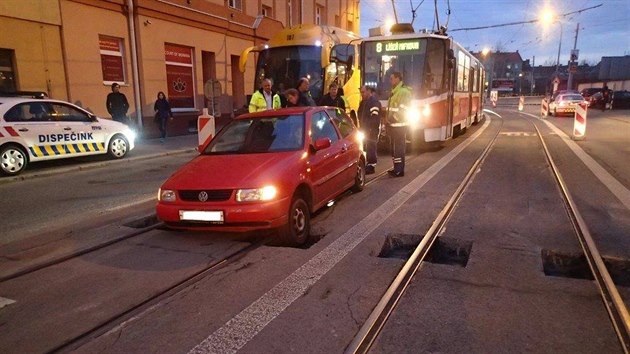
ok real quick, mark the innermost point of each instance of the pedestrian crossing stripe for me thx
(64, 149)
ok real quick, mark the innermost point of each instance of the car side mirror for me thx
(321, 144)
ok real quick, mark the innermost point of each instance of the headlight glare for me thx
(256, 194)
(426, 112)
(413, 115)
(360, 136)
(167, 195)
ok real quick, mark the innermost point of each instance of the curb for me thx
(90, 166)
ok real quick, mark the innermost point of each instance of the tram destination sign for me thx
(398, 46)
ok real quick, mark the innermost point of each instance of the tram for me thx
(305, 51)
(445, 79)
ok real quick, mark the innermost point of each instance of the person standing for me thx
(397, 124)
(605, 96)
(305, 98)
(332, 98)
(117, 104)
(370, 122)
(163, 112)
(264, 98)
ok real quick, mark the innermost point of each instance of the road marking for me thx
(132, 204)
(517, 134)
(238, 331)
(5, 302)
(614, 186)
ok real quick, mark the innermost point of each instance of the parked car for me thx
(621, 100)
(267, 170)
(563, 92)
(565, 103)
(34, 128)
(588, 92)
(596, 100)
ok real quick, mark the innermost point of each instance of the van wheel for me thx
(298, 227)
(118, 147)
(13, 160)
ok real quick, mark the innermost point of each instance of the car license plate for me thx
(193, 215)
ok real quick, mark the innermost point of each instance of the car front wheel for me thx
(118, 147)
(13, 160)
(297, 230)
(359, 179)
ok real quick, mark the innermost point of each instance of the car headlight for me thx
(167, 195)
(562, 104)
(360, 137)
(256, 194)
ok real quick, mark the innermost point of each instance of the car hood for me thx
(113, 125)
(234, 171)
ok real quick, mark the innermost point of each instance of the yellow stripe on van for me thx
(49, 150)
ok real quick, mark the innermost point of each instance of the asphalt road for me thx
(277, 299)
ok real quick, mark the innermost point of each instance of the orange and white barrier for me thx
(205, 129)
(494, 97)
(544, 108)
(579, 123)
(521, 103)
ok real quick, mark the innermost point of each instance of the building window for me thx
(289, 13)
(236, 4)
(267, 11)
(318, 15)
(7, 71)
(179, 76)
(112, 62)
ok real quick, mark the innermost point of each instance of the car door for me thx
(327, 165)
(82, 135)
(347, 131)
(32, 125)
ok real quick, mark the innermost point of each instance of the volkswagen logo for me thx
(203, 196)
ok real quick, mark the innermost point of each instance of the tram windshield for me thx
(286, 65)
(421, 61)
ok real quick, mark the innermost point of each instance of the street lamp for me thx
(485, 52)
(547, 18)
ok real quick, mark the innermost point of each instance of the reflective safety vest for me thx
(258, 102)
(400, 98)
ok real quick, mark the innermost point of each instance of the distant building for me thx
(75, 49)
(504, 72)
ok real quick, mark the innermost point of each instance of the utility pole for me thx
(574, 58)
(395, 15)
(559, 48)
(532, 83)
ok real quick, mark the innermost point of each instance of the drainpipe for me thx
(134, 62)
(301, 11)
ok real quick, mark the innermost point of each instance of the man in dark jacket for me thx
(117, 104)
(370, 122)
(332, 98)
(305, 94)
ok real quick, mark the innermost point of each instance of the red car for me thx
(267, 170)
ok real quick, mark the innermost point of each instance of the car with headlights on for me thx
(34, 128)
(565, 104)
(267, 170)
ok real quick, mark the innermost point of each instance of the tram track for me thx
(613, 303)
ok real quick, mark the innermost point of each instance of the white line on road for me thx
(614, 186)
(5, 302)
(238, 331)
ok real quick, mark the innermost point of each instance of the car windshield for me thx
(259, 135)
(571, 98)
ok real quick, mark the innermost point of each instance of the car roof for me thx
(16, 100)
(282, 112)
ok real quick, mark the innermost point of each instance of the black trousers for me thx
(398, 147)
(371, 140)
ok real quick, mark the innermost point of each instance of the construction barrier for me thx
(494, 97)
(521, 103)
(544, 108)
(205, 129)
(579, 123)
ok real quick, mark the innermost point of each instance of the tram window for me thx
(434, 76)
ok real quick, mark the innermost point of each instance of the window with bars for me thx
(236, 4)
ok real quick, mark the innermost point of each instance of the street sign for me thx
(573, 68)
(574, 54)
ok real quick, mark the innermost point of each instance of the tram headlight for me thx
(412, 114)
(426, 112)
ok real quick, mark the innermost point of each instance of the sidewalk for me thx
(144, 149)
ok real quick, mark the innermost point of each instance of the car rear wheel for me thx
(118, 147)
(13, 160)
(298, 228)
(359, 179)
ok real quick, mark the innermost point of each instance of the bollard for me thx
(579, 123)
(521, 103)
(205, 129)
(494, 97)
(544, 108)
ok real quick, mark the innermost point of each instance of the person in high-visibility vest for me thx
(397, 124)
(264, 98)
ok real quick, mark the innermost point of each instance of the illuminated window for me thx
(112, 63)
(180, 76)
(318, 15)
